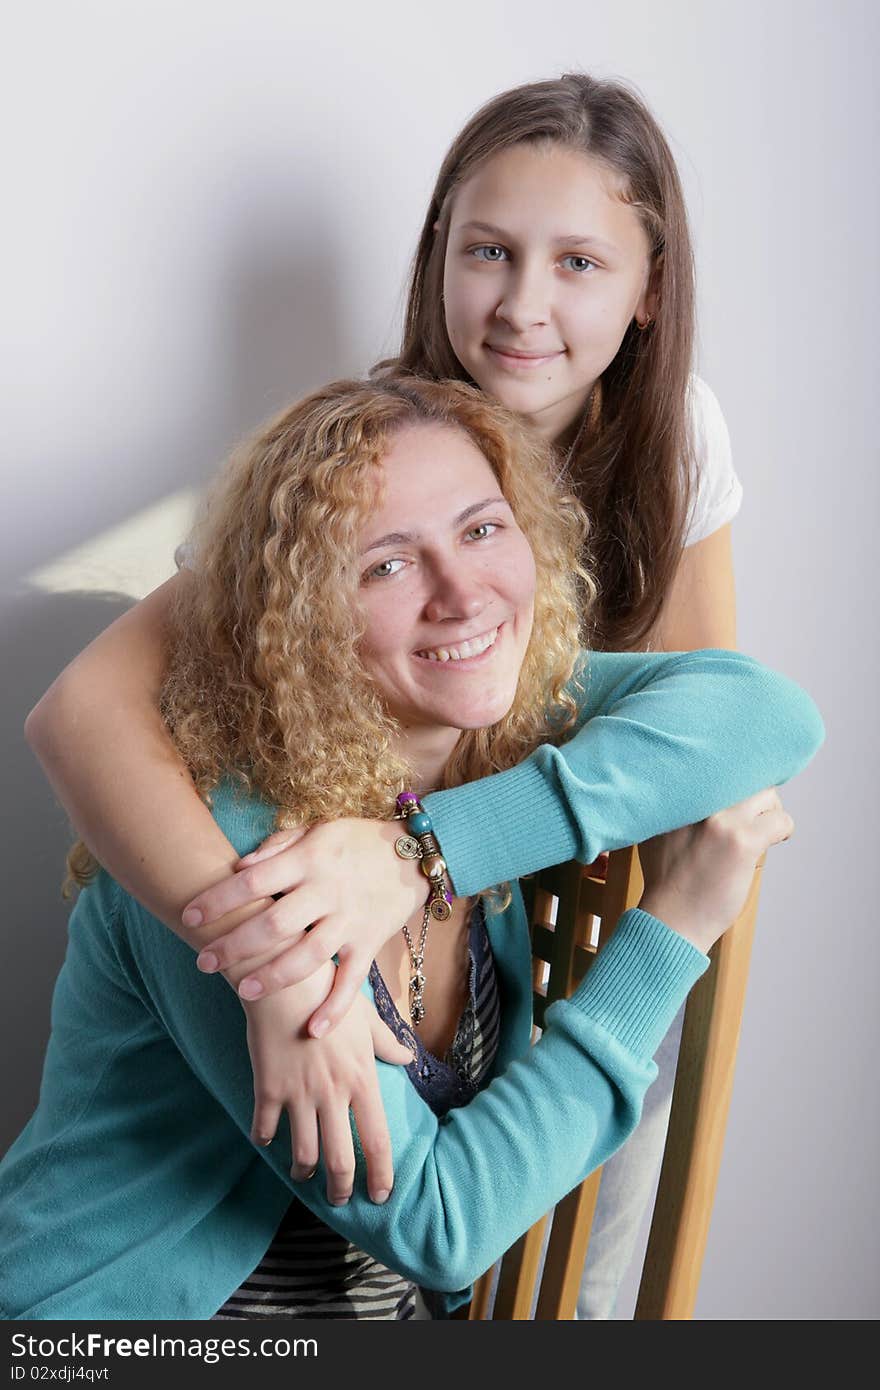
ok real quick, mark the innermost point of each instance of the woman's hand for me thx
(697, 879)
(341, 878)
(318, 1082)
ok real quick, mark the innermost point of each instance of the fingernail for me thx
(340, 1201)
(250, 989)
(382, 1195)
(299, 1176)
(192, 917)
(263, 1140)
(320, 1028)
(207, 961)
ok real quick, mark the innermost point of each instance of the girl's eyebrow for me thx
(487, 229)
(406, 537)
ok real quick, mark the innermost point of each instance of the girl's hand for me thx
(697, 879)
(343, 879)
(318, 1082)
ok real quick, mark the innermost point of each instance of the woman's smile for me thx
(464, 654)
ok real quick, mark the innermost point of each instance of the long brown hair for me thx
(631, 460)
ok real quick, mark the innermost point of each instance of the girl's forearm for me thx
(104, 747)
(666, 740)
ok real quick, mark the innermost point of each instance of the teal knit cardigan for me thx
(134, 1190)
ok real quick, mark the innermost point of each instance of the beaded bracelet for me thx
(421, 843)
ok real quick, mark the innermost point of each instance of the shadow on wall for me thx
(39, 634)
(274, 330)
(286, 332)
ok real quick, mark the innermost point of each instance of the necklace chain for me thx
(417, 978)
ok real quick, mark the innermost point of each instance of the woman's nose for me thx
(454, 595)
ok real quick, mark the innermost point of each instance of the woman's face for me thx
(545, 269)
(447, 587)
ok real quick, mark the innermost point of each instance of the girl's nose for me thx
(525, 302)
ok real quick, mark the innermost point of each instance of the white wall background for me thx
(210, 207)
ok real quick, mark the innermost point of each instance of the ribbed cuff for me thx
(486, 829)
(639, 982)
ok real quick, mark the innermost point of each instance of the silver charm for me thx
(416, 992)
(417, 978)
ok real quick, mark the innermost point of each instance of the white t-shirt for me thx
(716, 494)
(716, 491)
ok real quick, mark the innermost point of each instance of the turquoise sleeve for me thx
(663, 740)
(468, 1186)
(465, 1186)
(135, 1190)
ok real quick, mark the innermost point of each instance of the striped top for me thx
(309, 1271)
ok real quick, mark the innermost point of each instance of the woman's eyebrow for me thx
(392, 538)
(406, 537)
(478, 507)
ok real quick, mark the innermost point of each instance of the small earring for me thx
(647, 324)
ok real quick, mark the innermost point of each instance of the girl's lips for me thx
(523, 362)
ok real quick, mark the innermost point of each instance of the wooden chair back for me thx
(573, 912)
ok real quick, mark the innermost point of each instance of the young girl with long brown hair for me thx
(554, 271)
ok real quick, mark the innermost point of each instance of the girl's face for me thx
(545, 269)
(447, 588)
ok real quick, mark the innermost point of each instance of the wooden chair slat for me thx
(481, 1297)
(592, 895)
(542, 942)
(701, 1098)
(539, 1004)
(566, 1252)
(515, 1294)
(583, 959)
(694, 1143)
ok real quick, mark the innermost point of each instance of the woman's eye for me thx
(481, 532)
(578, 263)
(384, 569)
(489, 253)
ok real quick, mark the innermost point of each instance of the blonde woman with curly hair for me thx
(387, 602)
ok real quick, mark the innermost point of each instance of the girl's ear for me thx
(649, 300)
(437, 225)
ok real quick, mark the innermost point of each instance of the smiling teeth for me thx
(473, 647)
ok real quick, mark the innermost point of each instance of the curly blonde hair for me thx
(264, 679)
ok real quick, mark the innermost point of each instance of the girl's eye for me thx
(384, 569)
(483, 531)
(489, 253)
(578, 263)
